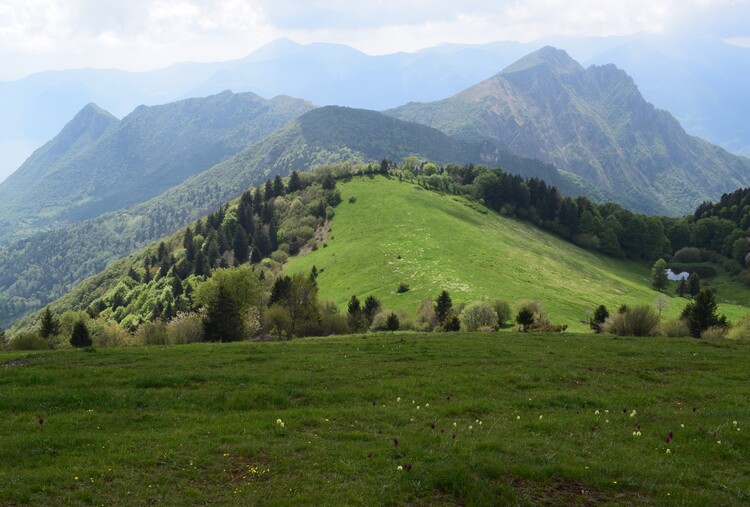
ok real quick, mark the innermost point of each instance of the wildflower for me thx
(41, 421)
(518, 417)
(669, 451)
(426, 405)
(638, 433)
(682, 425)
(395, 442)
(637, 426)
(453, 436)
(398, 399)
(632, 414)
(417, 407)
(399, 468)
(596, 412)
(718, 442)
(480, 423)
(442, 430)
(671, 435)
(455, 424)
(471, 427)
(734, 423)
(432, 426)
(625, 410)
(369, 455)
(407, 467)
(374, 403)
(540, 417)
(448, 397)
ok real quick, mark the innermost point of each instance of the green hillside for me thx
(44, 267)
(399, 233)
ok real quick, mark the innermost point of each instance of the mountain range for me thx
(703, 82)
(607, 142)
(594, 123)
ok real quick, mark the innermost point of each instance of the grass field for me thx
(399, 233)
(522, 419)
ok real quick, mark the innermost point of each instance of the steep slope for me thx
(594, 123)
(45, 266)
(399, 233)
(115, 165)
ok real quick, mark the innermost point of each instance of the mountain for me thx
(43, 267)
(594, 123)
(702, 82)
(99, 164)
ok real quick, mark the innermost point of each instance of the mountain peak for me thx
(549, 57)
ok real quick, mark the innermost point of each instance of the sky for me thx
(136, 35)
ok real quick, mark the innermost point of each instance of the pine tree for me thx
(694, 284)
(355, 315)
(682, 287)
(294, 184)
(241, 247)
(392, 323)
(49, 326)
(278, 186)
(80, 336)
(700, 313)
(371, 308)
(223, 322)
(443, 306)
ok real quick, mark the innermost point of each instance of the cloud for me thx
(150, 33)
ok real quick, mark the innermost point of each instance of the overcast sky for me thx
(143, 34)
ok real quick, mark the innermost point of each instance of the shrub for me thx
(152, 333)
(713, 333)
(531, 314)
(426, 318)
(741, 330)
(502, 309)
(392, 322)
(402, 287)
(280, 256)
(333, 323)
(476, 315)
(277, 321)
(185, 328)
(111, 335)
(637, 321)
(675, 328)
(27, 341)
(687, 254)
(452, 324)
(80, 336)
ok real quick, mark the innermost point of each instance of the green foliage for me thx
(640, 320)
(701, 313)
(27, 341)
(503, 311)
(525, 318)
(443, 306)
(659, 278)
(278, 321)
(80, 337)
(478, 315)
(392, 322)
(227, 297)
(674, 328)
(49, 325)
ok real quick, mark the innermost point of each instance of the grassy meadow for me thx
(397, 233)
(401, 419)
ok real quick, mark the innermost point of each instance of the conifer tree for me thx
(294, 184)
(443, 306)
(80, 336)
(49, 326)
(700, 314)
(694, 284)
(241, 247)
(223, 322)
(278, 186)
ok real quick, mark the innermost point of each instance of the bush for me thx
(402, 287)
(502, 309)
(280, 256)
(27, 341)
(111, 335)
(426, 318)
(152, 333)
(333, 323)
(675, 328)
(713, 333)
(185, 328)
(392, 322)
(277, 321)
(531, 314)
(476, 315)
(741, 330)
(638, 321)
(687, 254)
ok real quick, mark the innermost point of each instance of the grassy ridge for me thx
(399, 233)
(197, 424)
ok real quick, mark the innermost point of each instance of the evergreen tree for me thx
(659, 278)
(694, 284)
(202, 267)
(682, 287)
(294, 184)
(278, 186)
(700, 314)
(372, 307)
(132, 273)
(443, 306)
(355, 315)
(280, 290)
(223, 322)
(241, 247)
(268, 192)
(49, 326)
(80, 336)
(452, 323)
(525, 318)
(600, 315)
(392, 323)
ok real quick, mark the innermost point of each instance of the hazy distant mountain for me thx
(99, 164)
(703, 83)
(45, 266)
(594, 123)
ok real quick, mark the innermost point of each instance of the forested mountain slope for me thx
(98, 164)
(45, 266)
(594, 123)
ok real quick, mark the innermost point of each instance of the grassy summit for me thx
(393, 233)
(518, 419)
